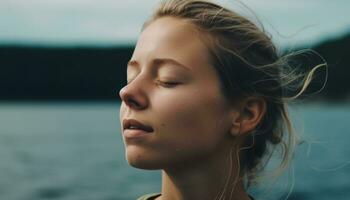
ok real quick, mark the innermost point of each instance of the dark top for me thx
(153, 196)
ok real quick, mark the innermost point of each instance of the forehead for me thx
(172, 38)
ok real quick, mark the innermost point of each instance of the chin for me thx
(139, 164)
(143, 166)
(140, 161)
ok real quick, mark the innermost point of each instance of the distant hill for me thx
(33, 73)
(37, 73)
(337, 54)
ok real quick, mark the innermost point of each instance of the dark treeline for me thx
(29, 73)
(37, 73)
(336, 53)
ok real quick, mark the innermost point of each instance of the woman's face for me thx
(173, 88)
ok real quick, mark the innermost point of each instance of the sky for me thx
(118, 22)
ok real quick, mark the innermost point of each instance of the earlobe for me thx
(235, 129)
(250, 114)
(236, 122)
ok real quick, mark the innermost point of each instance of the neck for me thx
(207, 180)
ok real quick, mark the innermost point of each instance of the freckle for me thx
(163, 124)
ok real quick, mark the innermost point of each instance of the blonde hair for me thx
(248, 64)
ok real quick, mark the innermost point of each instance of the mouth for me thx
(133, 128)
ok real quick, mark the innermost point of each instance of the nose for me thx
(134, 96)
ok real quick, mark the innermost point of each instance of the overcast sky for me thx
(115, 22)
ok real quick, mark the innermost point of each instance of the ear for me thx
(248, 115)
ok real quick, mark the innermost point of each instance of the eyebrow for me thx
(160, 61)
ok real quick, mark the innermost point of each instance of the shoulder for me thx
(150, 196)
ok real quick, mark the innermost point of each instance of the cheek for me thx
(190, 118)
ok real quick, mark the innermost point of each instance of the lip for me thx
(137, 133)
(141, 129)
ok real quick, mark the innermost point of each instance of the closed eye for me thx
(168, 84)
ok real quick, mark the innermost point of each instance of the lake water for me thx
(74, 151)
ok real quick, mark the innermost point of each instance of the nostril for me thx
(133, 103)
(133, 97)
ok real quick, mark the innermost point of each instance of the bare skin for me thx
(173, 88)
(201, 182)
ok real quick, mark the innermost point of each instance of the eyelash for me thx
(167, 84)
(162, 83)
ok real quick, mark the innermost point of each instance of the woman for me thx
(205, 101)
